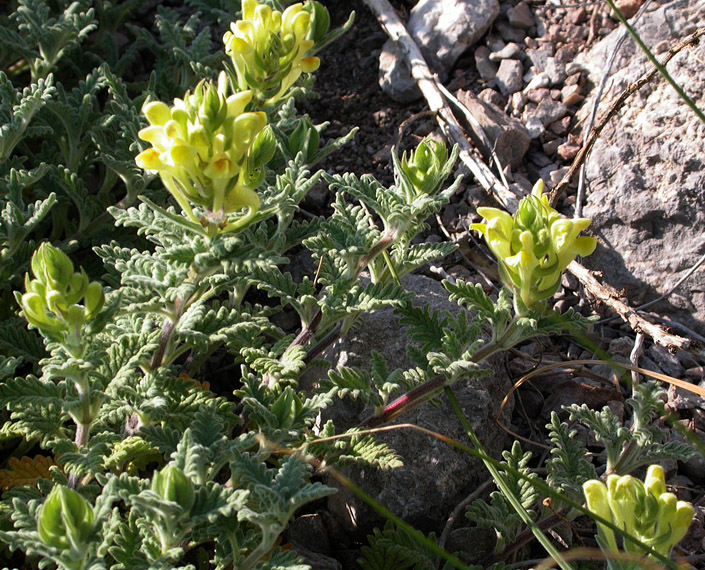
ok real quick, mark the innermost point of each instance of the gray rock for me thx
(509, 33)
(509, 76)
(507, 136)
(435, 477)
(539, 57)
(509, 51)
(538, 81)
(443, 30)
(534, 127)
(555, 70)
(550, 111)
(485, 67)
(395, 76)
(521, 16)
(646, 173)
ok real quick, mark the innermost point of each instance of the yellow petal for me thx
(149, 160)
(310, 64)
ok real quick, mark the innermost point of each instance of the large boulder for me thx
(646, 173)
(435, 476)
(443, 30)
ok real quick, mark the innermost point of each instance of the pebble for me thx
(577, 16)
(491, 96)
(561, 127)
(509, 33)
(551, 147)
(520, 16)
(518, 101)
(534, 127)
(568, 151)
(565, 54)
(555, 70)
(509, 51)
(509, 76)
(495, 43)
(538, 95)
(485, 67)
(556, 176)
(540, 80)
(539, 56)
(550, 111)
(570, 95)
(573, 67)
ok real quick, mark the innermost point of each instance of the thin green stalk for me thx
(503, 487)
(657, 64)
(389, 515)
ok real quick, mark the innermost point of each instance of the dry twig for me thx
(617, 104)
(429, 85)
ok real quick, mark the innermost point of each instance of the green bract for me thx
(172, 485)
(50, 302)
(209, 152)
(270, 49)
(643, 510)
(66, 521)
(423, 167)
(534, 246)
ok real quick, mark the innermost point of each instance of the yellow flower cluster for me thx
(643, 510)
(209, 151)
(269, 49)
(534, 246)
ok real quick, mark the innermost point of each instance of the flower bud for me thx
(320, 20)
(423, 167)
(66, 520)
(52, 266)
(172, 485)
(597, 502)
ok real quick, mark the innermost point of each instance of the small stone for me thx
(509, 51)
(550, 111)
(546, 172)
(509, 33)
(509, 76)
(520, 16)
(534, 127)
(518, 101)
(383, 156)
(561, 127)
(486, 68)
(551, 147)
(575, 79)
(557, 175)
(568, 151)
(538, 95)
(491, 96)
(541, 80)
(565, 54)
(628, 8)
(495, 43)
(539, 56)
(577, 16)
(556, 94)
(668, 362)
(570, 95)
(573, 67)
(555, 70)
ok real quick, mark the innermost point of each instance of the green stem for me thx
(657, 64)
(504, 487)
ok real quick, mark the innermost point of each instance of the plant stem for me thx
(503, 486)
(657, 64)
(83, 420)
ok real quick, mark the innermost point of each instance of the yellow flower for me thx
(269, 49)
(202, 148)
(534, 246)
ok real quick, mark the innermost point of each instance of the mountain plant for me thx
(152, 341)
